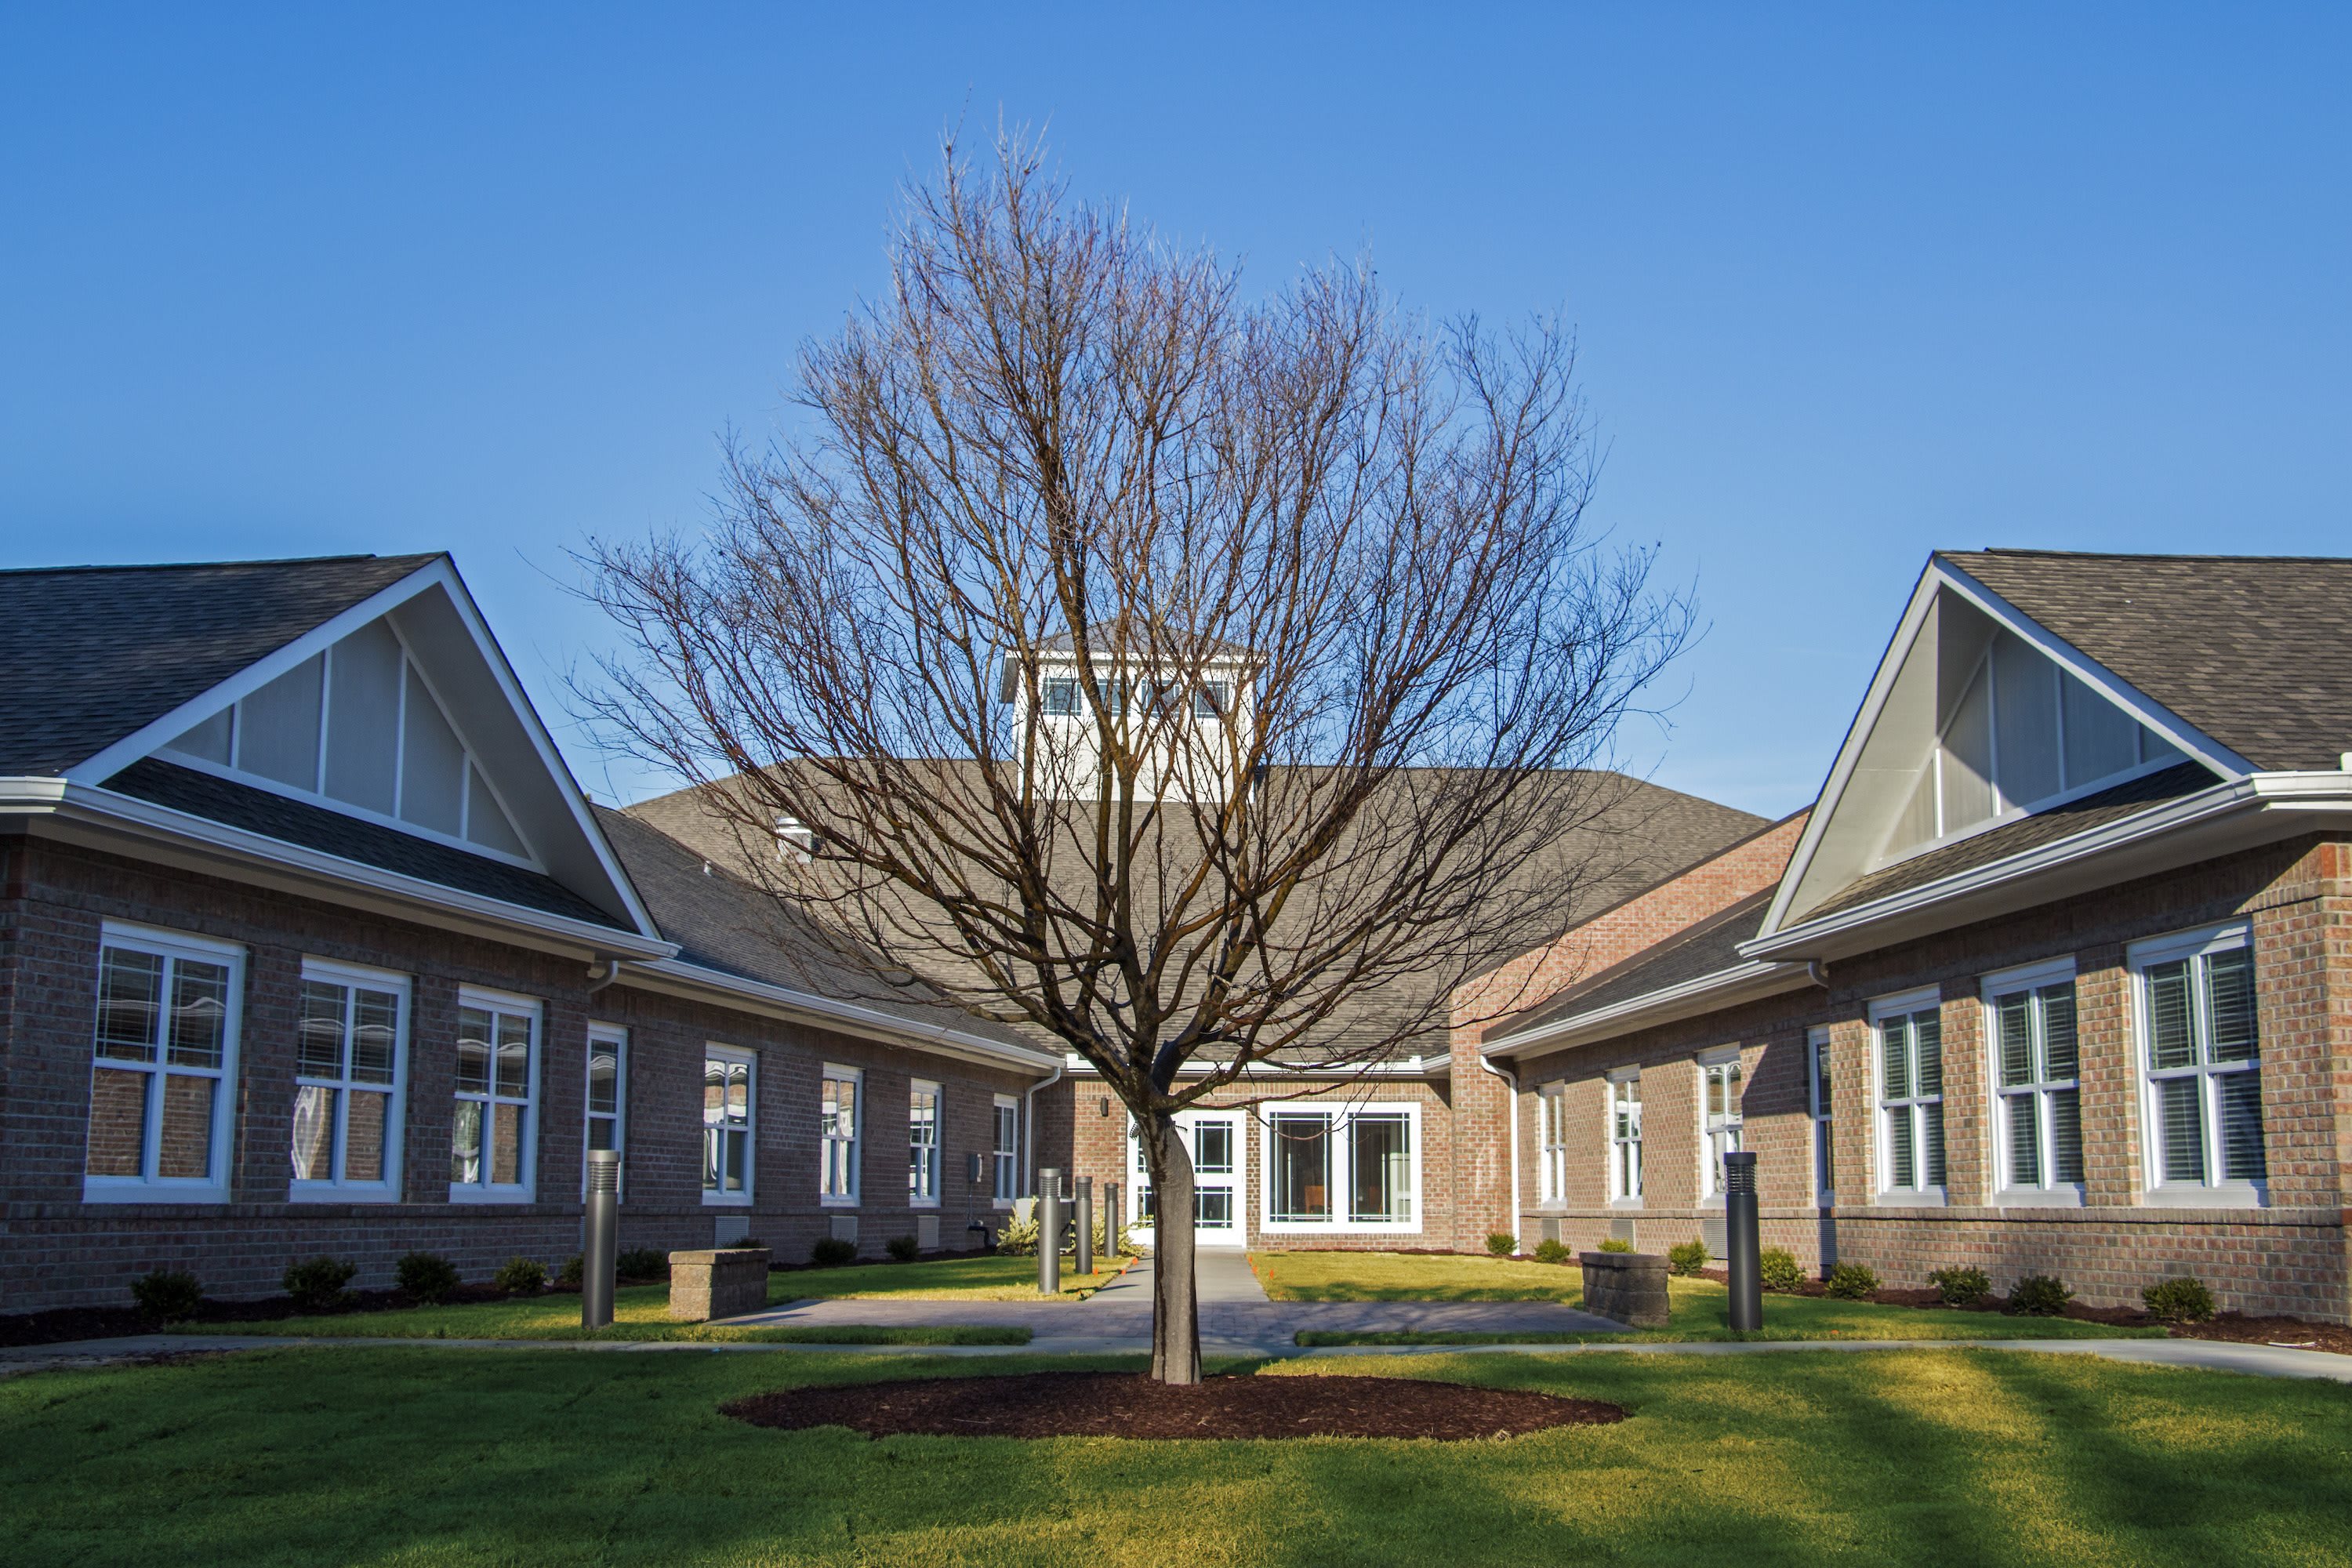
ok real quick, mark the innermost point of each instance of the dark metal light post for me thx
(601, 1241)
(1739, 1226)
(1049, 1230)
(1086, 1247)
(1111, 1212)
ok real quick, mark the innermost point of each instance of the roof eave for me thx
(1748, 982)
(2238, 814)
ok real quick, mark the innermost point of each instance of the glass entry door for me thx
(1214, 1137)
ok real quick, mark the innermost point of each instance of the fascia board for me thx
(1857, 734)
(2301, 795)
(317, 872)
(674, 976)
(1708, 993)
(2191, 741)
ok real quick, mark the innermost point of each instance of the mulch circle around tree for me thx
(1129, 1404)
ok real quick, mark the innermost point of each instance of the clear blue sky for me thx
(1851, 285)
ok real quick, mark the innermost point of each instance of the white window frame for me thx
(2030, 980)
(748, 1128)
(171, 946)
(1718, 1133)
(1551, 1143)
(1885, 1189)
(2191, 946)
(527, 1154)
(850, 1146)
(1341, 1114)
(1004, 1151)
(917, 1152)
(1625, 1181)
(351, 977)
(1818, 1077)
(616, 1036)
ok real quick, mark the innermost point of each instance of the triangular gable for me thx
(1977, 715)
(400, 710)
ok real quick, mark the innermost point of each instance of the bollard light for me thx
(1113, 1217)
(1086, 1247)
(600, 1240)
(1049, 1230)
(1739, 1228)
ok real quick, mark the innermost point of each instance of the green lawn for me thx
(421, 1458)
(1697, 1306)
(642, 1312)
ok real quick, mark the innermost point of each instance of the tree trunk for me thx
(1175, 1306)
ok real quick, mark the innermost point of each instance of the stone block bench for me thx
(1630, 1287)
(726, 1283)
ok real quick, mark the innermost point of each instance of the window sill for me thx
(150, 1193)
(2039, 1198)
(837, 1203)
(472, 1194)
(2237, 1195)
(928, 1204)
(1003, 1203)
(325, 1192)
(1911, 1198)
(726, 1200)
(1628, 1205)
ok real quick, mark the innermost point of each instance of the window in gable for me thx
(358, 726)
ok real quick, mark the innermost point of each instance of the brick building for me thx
(2055, 977)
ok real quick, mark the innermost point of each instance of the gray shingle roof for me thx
(89, 654)
(350, 839)
(1705, 947)
(2128, 799)
(2250, 649)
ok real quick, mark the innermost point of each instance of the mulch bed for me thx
(1116, 1404)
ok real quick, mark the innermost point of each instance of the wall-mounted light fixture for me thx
(1106, 1105)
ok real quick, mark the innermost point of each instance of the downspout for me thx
(1029, 1128)
(1512, 1080)
(603, 973)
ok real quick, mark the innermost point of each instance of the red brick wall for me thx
(56, 1250)
(2288, 1256)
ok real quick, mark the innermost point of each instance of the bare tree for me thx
(1175, 675)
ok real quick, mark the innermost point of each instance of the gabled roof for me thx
(92, 654)
(2250, 649)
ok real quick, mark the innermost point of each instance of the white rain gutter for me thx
(1512, 1080)
(1029, 1127)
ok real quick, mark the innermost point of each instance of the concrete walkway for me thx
(2214, 1355)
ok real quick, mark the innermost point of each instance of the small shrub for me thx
(1686, 1256)
(426, 1276)
(2183, 1299)
(903, 1248)
(1550, 1252)
(641, 1263)
(1502, 1243)
(168, 1295)
(832, 1252)
(1018, 1239)
(1851, 1282)
(1961, 1284)
(1776, 1269)
(318, 1284)
(521, 1276)
(2040, 1296)
(1616, 1244)
(574, 1272)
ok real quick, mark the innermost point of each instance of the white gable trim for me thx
(441, 573)
(2193, 744)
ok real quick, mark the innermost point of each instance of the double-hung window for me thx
(1007, 1148)
(2037, 1092)
(1910, 1035)
(838, 1135)
(1817, 1048)
(2198, 1040)
(923, 1145)
(727, 1103)
(493, 1132)
(1331, 1169)
(608, 1089)
(349, 1062)
(1721, 1121)
(1625, 1136)
(163, 1061)
(1551, 1144)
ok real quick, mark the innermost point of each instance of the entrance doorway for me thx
(1220, 1196)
